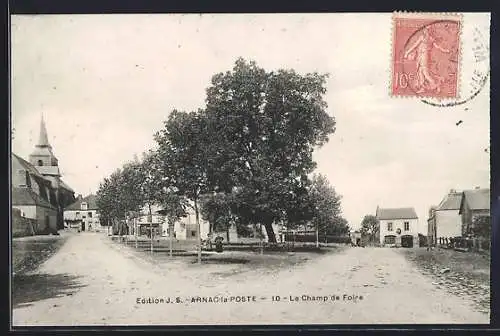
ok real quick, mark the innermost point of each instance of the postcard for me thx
(250, 169)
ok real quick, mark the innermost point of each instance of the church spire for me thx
(43, 140)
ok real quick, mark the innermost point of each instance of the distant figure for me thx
(422, 48)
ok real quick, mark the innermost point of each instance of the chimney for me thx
(452, 191)
(79, 197)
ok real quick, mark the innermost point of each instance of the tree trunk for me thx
(170, 236)
(197, 215)
(261, 238)
(150, 218)
(271, 237)
(317, 236)
(135, 232)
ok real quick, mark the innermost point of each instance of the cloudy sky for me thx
(106, 83)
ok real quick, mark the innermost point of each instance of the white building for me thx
(445, 220)
(83, 214)
(186, 228)
(398, 227)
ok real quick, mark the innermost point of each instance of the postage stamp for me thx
(426, 55)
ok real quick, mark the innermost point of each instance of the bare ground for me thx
(460, 273)
(97, 282)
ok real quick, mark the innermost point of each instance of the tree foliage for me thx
(245, 158)
(268, 123)
(481, 226)
(370, 227)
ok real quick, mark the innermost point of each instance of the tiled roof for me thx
(91, 203)
(26, 196)
(27, 166)
(451, 201)
(396, 213)
(478, 199)
(65, 186)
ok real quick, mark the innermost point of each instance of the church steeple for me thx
(43, 139)
(42, 157)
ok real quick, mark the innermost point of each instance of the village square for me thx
(276, 196)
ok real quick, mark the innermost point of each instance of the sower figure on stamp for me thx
(422, 47)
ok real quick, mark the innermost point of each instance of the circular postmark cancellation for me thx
(427, 57)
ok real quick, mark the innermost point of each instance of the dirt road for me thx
(93, 281)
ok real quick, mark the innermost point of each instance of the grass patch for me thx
(29, 254)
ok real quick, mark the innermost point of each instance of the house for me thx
(474, 203)
(83, 214)
(33, 196)
(444, 220)
(149, 218)
(398, 227)
(37, 188)
(187, 229)
(356, 237)
(454, 216)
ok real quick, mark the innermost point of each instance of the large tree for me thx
(370, 227)
(268, 124)
(184, 149)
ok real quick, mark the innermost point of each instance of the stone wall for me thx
(22, 226)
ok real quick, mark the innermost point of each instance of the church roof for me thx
(26, 196)
(27, 166)
(63, 184)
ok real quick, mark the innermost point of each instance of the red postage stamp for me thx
(426, 55)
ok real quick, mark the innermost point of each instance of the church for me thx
(39, 195)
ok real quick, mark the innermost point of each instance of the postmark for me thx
(475, 70)
(426, 56)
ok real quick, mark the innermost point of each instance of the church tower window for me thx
(40, 163)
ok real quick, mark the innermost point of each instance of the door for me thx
(83, 226)
(407, 241)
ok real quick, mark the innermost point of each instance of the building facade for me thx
(37, 188)
(455, 214)
(475, 203)
(398, 227)
(83, 214)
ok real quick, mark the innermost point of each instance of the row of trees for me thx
(246, 158)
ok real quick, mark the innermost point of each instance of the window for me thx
(77, 213)
(407, 226)
(84, 206)
(389, 226)
(193, 233)
(40, 162)
(90, 214)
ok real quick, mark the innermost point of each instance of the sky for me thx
(106, 83)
